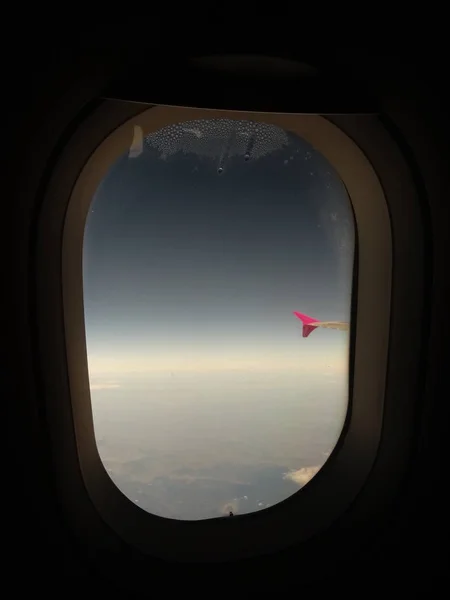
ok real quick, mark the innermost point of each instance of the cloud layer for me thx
(302, 476)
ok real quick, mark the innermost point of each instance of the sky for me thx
(196, 253)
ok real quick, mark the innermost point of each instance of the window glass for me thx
(209, 395)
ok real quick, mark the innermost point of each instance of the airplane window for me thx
(217, 270)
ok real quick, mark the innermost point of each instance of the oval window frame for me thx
(347, 469)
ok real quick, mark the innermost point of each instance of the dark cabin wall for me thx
(404, 544)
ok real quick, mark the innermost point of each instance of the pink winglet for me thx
(308, 326)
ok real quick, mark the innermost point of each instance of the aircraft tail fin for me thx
(308, 323)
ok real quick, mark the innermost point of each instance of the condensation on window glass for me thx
(217, 267)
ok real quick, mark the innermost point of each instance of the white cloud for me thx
(302, 476)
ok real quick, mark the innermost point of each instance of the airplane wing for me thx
(309, 324)
(333, 325)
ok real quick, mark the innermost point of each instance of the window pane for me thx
(209, 395)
